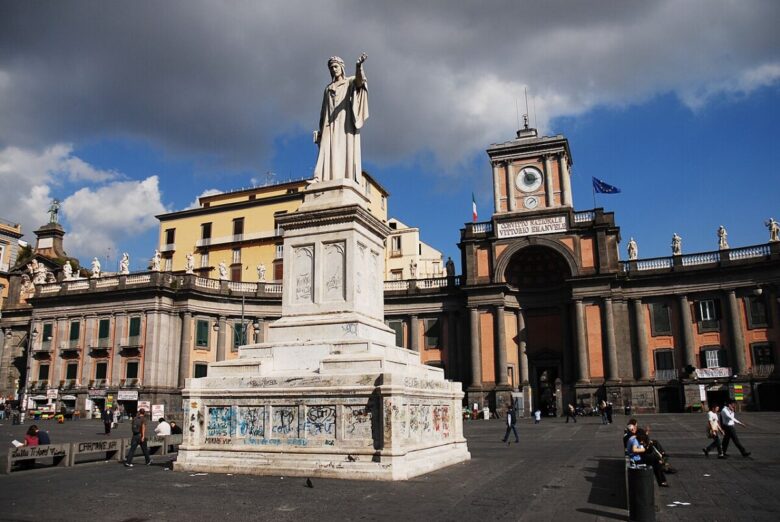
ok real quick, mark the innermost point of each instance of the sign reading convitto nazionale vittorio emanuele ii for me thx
(527, 227)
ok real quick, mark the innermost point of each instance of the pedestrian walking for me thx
(139, 438)
(609, 413)
(107, 420)
(537, 416)
(728, 422)
(510, 424)
(714, 432)
(603, 410)
(570, 413)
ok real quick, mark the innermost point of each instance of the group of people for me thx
(721, 428)
(36, 436)
(722, 423)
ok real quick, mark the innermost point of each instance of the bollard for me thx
(641, 494)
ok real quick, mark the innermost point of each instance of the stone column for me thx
(582, 342)
(686, 325)
(568, 344)
(496, 187)
(522, 356)
(453, 350)
(737, 339)
(510, 188)
(259, 337)
(641, 339)
(476, 362)
(184, 348)
(414, 333)
(609, 326)
(501, 378)
(565, 180)
(221, 335)
(548, 182)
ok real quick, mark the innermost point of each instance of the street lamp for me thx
(31, 339)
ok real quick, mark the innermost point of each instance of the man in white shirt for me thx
(728, 422)
(714, 431)
(163, 428)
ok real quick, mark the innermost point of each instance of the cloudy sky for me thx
(123, 110)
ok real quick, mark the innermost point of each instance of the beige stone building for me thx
(407, 257)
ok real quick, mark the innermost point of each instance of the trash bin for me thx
(641, 494)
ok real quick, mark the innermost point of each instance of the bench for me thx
(58, 452)
(111, 448)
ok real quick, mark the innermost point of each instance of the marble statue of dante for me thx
(189, 266)
(67, 271)
(723, 243)
(156, 258)
(222, 271)
(774, 230)
(95, 267)
(633, 249)
(344, 110)
(261, 273)
(676, 245)
(124, 264)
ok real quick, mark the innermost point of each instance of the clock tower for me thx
(531, 173)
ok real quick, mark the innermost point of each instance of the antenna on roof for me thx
(525, 89)
(533, 99)
(517, 111)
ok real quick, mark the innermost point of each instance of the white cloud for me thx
(97, 218)
(27, 176)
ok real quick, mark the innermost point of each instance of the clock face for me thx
(529, 179)
(531, 202)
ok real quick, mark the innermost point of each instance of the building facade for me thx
(545, 312)
(407, 257)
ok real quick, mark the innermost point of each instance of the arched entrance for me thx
(537, 275)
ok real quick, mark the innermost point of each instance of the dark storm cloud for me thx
(218, 81)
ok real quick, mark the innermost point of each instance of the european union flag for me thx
(604, 188)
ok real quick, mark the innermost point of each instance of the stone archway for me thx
(538, 262)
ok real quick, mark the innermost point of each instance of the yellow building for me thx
(9, 249)
(239, 231)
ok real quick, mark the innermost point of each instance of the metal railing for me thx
(584, 216)
(763, 370)
(170, 247)
(666, 375)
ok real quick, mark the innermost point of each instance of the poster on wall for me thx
(52, 393)
(144, 405)
(158, 411)
(128, 395)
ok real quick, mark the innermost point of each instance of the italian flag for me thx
(473, 208)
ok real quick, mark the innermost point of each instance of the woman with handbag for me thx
(714, 432)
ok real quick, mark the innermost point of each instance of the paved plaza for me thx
(558, 472)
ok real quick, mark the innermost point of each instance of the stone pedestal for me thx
(328, 394)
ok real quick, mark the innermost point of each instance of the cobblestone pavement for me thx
(558, 471)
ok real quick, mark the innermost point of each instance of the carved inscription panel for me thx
(303, 274)
(334, 270)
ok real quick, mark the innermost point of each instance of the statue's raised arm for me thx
(360, 76)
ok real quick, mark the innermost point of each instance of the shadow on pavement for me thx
(608, 483)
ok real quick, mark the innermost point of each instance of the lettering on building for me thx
(529, 227)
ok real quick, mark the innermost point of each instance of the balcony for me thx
(71, 347)
(763, 370)
(69, 384)
(170, 247)
(98, 383)
(44, 347)
(666, 375)
(131, 342)
(129, 383)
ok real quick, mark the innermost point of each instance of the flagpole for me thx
(593, 190)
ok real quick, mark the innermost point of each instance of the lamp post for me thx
(30, 340)
(244, 324)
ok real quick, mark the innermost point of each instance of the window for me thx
(204, 259)
(236, 256)
(168, 264)
(762, 354)
(205, 231)
(436, 267)
(131, 370)
(660, 323)
(395, 246)
(432, 332)
(75, 330)
(104, 328)
(664, 360)
(713, 357)
(235, 273)
(419, 249)
(368, 188)
(238, 336)
(707, 314)
(279, 251)
(201, 370)
(238, 227)
(278, 271)
(252, 197)
(72, 371)
(48, 331)
(170, 236)
(383, 202)
(101, 370)
(135, 329)
(397, 325)
(202, 334)
(43, 372)
(396, 275)
(510, 375)
(756, 312)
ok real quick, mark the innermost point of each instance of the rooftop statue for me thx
(54, 211)
(124, 264)
(95, 267)
(344, 110)
(189, 266)
(633, 250)
(676, 245)
(156, 261)
(774, 230)
(723, 243)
